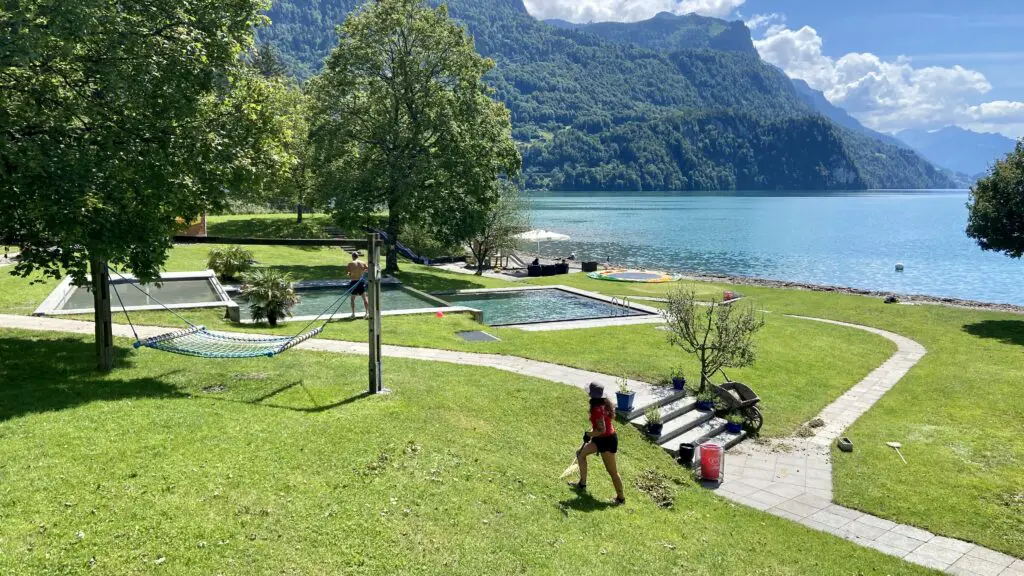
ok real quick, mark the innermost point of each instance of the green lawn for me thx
(185, 466)
(958, 413)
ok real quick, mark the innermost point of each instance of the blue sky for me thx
(894, 64)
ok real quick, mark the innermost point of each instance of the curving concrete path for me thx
(795, 484)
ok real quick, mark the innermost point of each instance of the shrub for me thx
(229, 262)
(270, 295)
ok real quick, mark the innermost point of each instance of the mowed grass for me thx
(803, 365)
(184, 466)
(959, 415)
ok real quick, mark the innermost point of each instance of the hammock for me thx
(200, 342)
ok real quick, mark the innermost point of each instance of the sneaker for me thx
(578, 487)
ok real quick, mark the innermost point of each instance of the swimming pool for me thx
(316, 300)
(176, 290)
(509, 307)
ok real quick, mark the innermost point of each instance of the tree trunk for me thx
(394, 224)
(298, 213)
(101, 314)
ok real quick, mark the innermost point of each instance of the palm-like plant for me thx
(229, 262)
(270, 294)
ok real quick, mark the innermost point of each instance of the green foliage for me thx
(496, 228)
(229, 262)
(996, 206)
(403, 121)
(719, 335)
(270, 294)
(118, 118)
(595, 86)
(653, 415)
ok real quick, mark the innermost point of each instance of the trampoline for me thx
(642, 276)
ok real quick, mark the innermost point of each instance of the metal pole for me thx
(373, 276)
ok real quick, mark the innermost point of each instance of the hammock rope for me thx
(198, 341)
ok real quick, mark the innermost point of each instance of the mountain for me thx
(671, 103)
(958, 149)
(816, 100)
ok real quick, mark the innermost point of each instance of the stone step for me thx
(727, 439)
(669, 411)
(657, 396)
(683, 423)
(696, 435)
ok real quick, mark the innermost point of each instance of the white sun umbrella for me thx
(540, 235)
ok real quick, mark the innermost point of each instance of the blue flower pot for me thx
(733, 427)
(706, 405)
(624, 401)
(679, 383)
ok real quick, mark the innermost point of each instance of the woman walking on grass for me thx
(601, 439)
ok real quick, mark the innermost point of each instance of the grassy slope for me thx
(289, 471)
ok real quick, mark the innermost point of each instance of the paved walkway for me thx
(795, 484)
(461, 269)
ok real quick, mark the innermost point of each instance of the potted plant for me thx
(270, 295)
(678, 379)
(706, 400)
(734, 422)
(624, 396)
(654, 424)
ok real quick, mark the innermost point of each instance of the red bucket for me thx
(711, 462)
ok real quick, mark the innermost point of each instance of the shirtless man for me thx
(356, 269)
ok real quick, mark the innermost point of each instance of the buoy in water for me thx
(899, 267)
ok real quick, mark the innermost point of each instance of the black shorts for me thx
(607, 443)
(360, 289)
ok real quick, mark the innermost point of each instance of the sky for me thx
(893, 64)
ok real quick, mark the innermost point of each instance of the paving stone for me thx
(900, 541)
(767, 498)
(915, 533)
(844, 512)
(758, 474)
(785, 514)
(823, 494)
(865, 531)
(799, 508)
(819, 484)
(787, 491)
(976, 567)
(813, 500)
(817, 474)
(991, 556)
(830, 519)
(927, 561)
(1011, 571)
(877, 522)
(936, 553)
(741, 488)
(952, 544)
(748, 501)
(886, 549)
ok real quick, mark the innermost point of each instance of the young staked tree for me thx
(402, 122)
(497, 226)
(720, 335)
(996, 218)
(117, 119)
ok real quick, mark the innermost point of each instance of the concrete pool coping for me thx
(650, 315)
(51, 306)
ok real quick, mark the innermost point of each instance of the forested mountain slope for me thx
(693, 109)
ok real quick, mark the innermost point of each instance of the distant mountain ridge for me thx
(670, 103)
(958, 149)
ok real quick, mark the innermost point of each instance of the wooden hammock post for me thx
(373, 276)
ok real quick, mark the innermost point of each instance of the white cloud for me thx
(626, 10)
(887, 95)
(768, 22)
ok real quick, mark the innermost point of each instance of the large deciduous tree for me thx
(403, 122)
(117, 119)
(996, 218)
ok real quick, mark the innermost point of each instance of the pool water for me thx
(531, 306)
(169, 292)
(315, 301)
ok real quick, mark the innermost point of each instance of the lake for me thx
(851, 239)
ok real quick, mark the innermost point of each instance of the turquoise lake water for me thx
(849, 239)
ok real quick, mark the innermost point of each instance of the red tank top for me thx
(598, 413)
